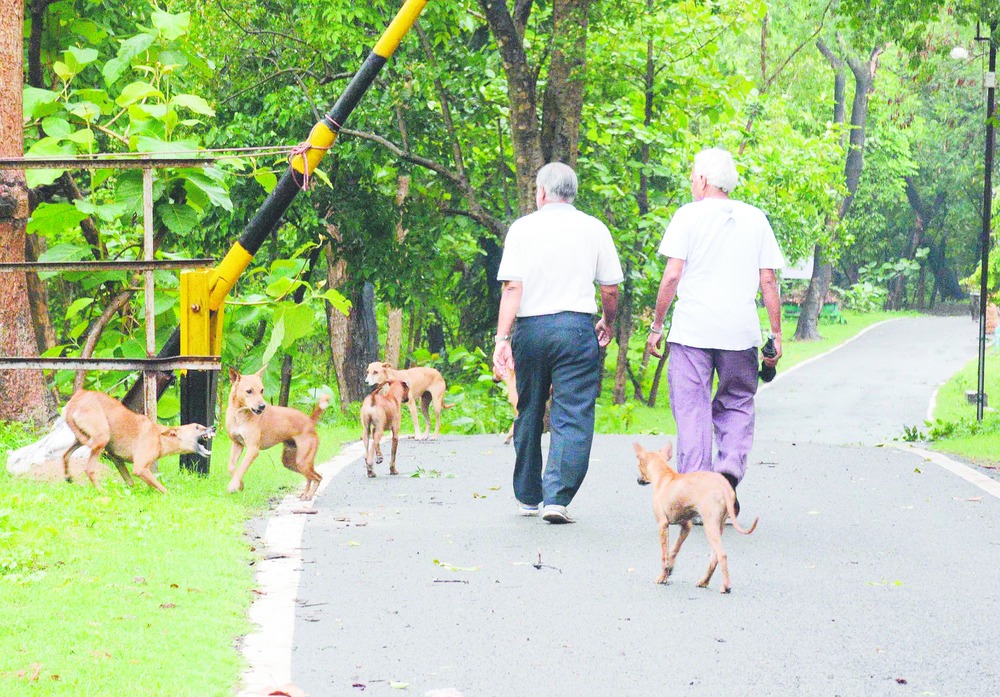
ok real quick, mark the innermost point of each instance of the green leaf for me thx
(194, 103)
(171, 26)
(54, 218)
(298, 322)
(129, 49)
(62, 252)
(266, 178)
(338, 300)
(82, 56)
(176, 147)
(215, 192)
(84, 138)
(87, 111)
(56, 127)
(179, 218)
(135, 92)
(38, 102)
(78, 305)
(64, 72)
(106, 212)
(277, 334)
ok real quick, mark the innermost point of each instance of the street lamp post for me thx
(991, 83)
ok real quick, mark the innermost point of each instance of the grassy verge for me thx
(637, 417)
(955, 429)
(127, 592)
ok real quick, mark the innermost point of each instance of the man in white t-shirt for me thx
(551, 260)
(720, 252)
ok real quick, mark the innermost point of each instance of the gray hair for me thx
(558, 180)
(718, 168)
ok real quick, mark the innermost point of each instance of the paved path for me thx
(872, 572)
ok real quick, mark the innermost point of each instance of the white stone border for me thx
(268, 650)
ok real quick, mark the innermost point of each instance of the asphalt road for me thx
(872, 571)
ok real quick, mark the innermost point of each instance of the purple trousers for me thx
(729, 414)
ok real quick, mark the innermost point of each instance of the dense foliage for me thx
(414, 199)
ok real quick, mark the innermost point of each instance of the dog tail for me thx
(321, 405)
(732, 516)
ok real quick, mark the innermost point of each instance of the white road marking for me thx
(268, 650)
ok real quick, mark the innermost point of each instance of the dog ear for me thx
(171, 432)
(261, 371)
(668, 450)
(234, 374)
(639, 451)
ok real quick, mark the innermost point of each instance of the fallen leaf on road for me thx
(352, 543)
(494, 488)
(399, 685)
(452, 567)
(973, 499)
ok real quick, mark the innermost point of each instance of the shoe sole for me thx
(557, 518)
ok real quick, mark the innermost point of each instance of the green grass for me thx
(128, 592)
(955, 429)
(637, 417)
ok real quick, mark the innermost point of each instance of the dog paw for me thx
(234, 487)
(393, 471)
(661, 580)
(371, 474)
(725, 590)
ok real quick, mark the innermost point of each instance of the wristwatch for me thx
(501, 337)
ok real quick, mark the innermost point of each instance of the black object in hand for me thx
(767, 372)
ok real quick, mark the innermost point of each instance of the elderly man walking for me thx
(719, 253)
(551, 260)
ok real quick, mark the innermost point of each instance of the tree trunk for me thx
(394, 332)
(336, 276)
(807, 328)
(286, 361)
(562, 104)
(362, 342)
(24, 397)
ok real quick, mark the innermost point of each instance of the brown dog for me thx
(104, 424)
(382, 408)
(677, 498)
(510, 381)
(253, 425)
(426, 384)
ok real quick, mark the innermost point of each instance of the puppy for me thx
(382, 408)
(253, 425)
(426, 384)
(677, 498)
(104, 424)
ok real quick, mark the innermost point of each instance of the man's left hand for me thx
(603, 333)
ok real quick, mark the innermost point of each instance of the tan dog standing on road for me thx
(426, 385)
(254, 425)
(104, 424)
(677, 498)
(382, 408)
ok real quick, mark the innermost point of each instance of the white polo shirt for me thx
(558, 253)
(724, 245)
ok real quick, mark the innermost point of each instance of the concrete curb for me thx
(268, 650)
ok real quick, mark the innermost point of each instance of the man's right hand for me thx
(503, 358)
(653, 342)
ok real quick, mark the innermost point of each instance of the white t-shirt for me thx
(724, 245)
(558, 253)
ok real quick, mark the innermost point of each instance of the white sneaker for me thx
(525, 509)
(553, 513)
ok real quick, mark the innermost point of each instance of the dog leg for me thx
(392, 459)
(250, 454)
(306, 467)
(122, 469)
(438, 406)
(714, 536)
(235, 450)
(142, 471)
(685, 531)
(665, 558)
(417, 434)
